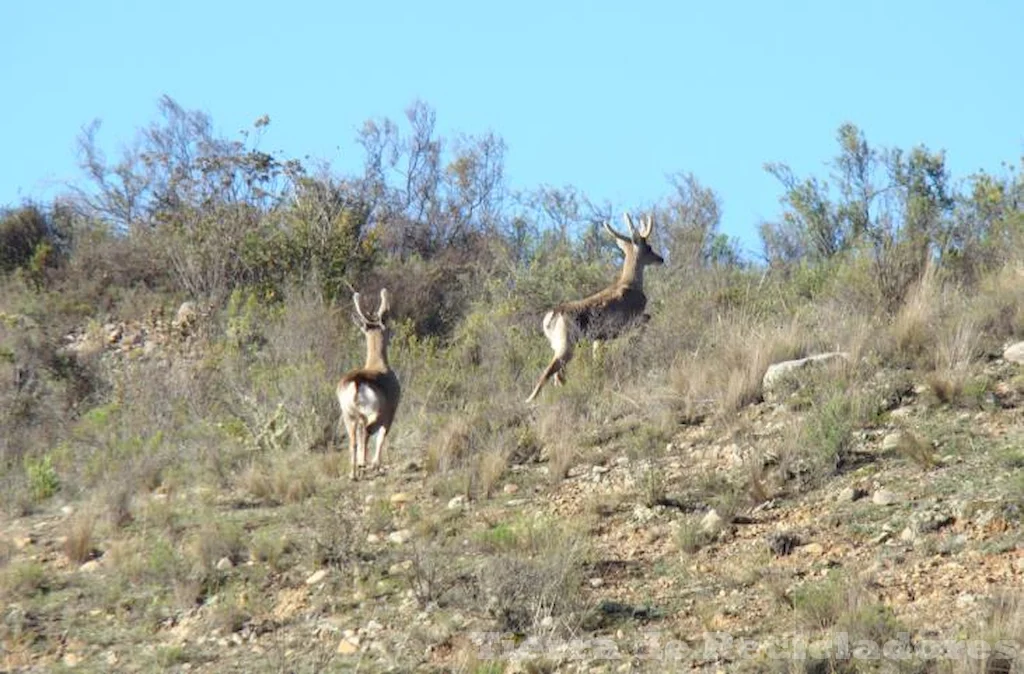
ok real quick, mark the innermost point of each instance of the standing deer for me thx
(369, 396)
(606, 314)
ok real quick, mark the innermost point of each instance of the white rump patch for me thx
(360, 402)
(556, 330)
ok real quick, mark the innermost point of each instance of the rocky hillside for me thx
(697, 544)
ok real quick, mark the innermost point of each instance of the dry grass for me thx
(489, 469)
(287, 479)
(450, 446)
(79, 541)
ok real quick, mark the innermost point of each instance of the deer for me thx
(369, 396)
(606, 314)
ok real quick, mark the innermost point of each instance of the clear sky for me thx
(607, 96)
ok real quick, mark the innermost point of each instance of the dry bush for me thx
(913, 330)
(23, 580)
(489, 469)
(996, 306)
(729, 372)
(271, 548)
(562, 455)
(450, 446)
(537, 575)
(285, 477)
(1003, 630)
(560, 426)
(79, 537)
(916, 450)
(214, 541)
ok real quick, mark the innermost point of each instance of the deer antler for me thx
(647, 226)
(385, 304)
(617, 235)
(629, 223)
(359, 309)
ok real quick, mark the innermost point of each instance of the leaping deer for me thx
(369, 396)
(606, 314)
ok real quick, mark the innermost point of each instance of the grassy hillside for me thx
(175, 495)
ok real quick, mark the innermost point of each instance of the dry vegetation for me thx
(174, 495)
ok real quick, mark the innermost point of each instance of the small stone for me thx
(346, 647)
(813, 549)
(510, 488)
(712, 522)
(399, 499)
(851, 494)
(374, 626)
(372, 539)
(22, 542)
(884, 497)
(400, 568)
(91, 566)
(596, 582)
(908, 535)
(316, 577)
(224, 563)
(892, 441)
(457, 502)
(71, 659)
(67, 510)
(400, 537)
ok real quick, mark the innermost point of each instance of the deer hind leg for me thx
(378, 451)
(557, 332)
(352, 428)
(364, 439)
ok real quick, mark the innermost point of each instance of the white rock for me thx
(777, 371)
(1014, 353)
(712, 522)
(90, 566)
(400, 537)
(884, 497)
(316, 577)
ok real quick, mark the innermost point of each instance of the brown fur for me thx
(369, 396)
(605, 314)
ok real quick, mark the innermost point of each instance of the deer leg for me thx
(378, 451)
(352, 430)
(557, 331)
(364, 438)
(554, 368)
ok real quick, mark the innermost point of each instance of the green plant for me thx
(42, 477)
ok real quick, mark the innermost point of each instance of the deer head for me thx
(374, 328)
(636, 248)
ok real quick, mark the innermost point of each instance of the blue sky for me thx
(607, 96)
